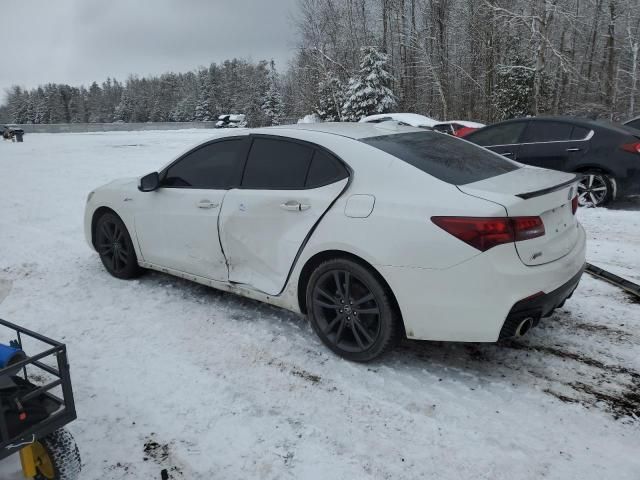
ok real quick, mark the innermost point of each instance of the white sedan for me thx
(375, 231)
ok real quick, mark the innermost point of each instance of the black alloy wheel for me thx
(351, 311)
(115, 247)
(595, 189)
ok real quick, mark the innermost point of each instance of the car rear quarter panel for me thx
(399, 230)
(606, 154)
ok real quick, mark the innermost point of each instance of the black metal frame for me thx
(67, 411)
(624, 284)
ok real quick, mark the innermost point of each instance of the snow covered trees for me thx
(444, 54)
(235, 86)
(273, 106)
(515, 90)
(202, 111)
(331, 98)
(369, 91)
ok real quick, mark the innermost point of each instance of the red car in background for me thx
(457, 128)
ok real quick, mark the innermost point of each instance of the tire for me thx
(595, 189)
(62, 458)
(115, 247)
(351, 310)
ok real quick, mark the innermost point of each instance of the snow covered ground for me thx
(169, 374)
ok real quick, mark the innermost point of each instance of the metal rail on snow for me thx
(626, 285)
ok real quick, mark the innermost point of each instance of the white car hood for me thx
(121, 183)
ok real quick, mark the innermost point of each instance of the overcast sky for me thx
(78, 41)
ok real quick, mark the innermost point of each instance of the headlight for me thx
(90, 196)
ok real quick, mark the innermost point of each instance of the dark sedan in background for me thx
(608, 155)
(633, 123)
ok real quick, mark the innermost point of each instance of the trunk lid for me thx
(532, 191)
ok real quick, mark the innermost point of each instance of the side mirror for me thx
(149, 183)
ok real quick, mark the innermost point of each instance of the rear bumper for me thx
(470, 302)
(539, 306)
(629, 185)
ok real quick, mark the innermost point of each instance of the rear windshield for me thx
(445, 157)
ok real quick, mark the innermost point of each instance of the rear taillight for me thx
(631, 147)
(486, 233)
(526, 228)
(574, 204)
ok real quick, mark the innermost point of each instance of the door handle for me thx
(507, 154)
(294, 206)
(206, 204)
(573, 149)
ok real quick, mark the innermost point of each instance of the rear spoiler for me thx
(544, 191)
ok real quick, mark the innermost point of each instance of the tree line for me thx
(484, 60)
(234, 86)
(480, 60)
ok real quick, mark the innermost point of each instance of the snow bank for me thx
(313, 118)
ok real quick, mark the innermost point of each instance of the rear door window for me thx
(634, 124)
(275, 164)
(543, 131)
(505, 134)
(579, 133)
(445, 157)
(324, 169)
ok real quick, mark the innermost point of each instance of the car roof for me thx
(352, 130)
(583, 122)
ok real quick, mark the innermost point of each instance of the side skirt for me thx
(282, 301)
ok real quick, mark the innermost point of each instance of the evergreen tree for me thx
(273, 106)
(94, 103)
(513, 93)
(369, 92)
(124, 109)
(251, 94)
(184, 110)
(202, 109)
(17, 103)
(331, 97)
(39, 106)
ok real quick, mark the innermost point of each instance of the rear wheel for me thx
(115, 247)
(351, 311)
(595, 189)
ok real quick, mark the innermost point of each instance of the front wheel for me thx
(115, 247)
(351, 310)
(595, 189)
(57, 457)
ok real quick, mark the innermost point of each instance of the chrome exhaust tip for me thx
(524, 326)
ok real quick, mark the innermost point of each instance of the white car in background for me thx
(237, 120)
(408, 119)
(374, 231)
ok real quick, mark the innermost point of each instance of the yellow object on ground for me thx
(35, 459)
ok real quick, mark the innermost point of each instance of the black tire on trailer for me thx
(351, 310)
(113, 242)
(59, 457)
